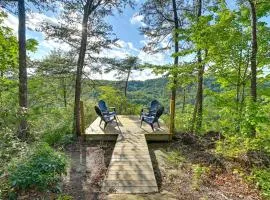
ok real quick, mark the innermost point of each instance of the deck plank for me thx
(130, 169)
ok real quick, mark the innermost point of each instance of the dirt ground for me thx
(88, 164)
(185, 169)
(176, 173)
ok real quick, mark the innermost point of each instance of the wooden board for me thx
(130, 169)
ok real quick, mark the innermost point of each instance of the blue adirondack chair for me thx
(151, 119)
(150, 111)
(104, 109)
(106, 117)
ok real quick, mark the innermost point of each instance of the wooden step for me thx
(128, 167)
(131, 189)
(130, 177)
(129, 183)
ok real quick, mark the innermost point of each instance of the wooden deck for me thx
(127, 122)
(130, 169)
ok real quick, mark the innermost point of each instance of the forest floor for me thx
(186, 168)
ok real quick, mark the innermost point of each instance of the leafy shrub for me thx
(234, 146)
(132, 109)
(10, 145)
(52, 125)
(50, 119)
(5, 188)
(42, 169)
(199, 172)
(58, 136)
(262, 179)
(175, 158)
(64, 197)
(89, 112)
(116, 98)
(113, 97)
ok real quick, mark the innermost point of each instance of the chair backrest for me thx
(159, 113)
(154, 105)
(98, 111)
(102, 106)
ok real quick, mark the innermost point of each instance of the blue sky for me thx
(125, 27)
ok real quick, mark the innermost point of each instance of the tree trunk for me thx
(243, 85)
(253, 58)
(23, 127)
(238, 87)
(242, 100)
(80, 64)
(200, 92)
(1, 91)
(64, 87)
(198, 108)
(126, 84)
(176, 50)
(184, 101)
(254, 49)
(193, 121)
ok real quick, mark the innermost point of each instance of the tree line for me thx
(208, 37)
(214, 37)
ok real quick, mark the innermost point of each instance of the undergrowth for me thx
(261, 177)
(40, 170)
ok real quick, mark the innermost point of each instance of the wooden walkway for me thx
(130, 169)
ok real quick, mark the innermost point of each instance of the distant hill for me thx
(142, 92)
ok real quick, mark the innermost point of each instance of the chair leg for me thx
(117, 118)
(152, 126)
(118, 125)
(141, 113)
(158, 124)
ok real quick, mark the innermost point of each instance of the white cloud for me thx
(155, 59)
(120, 51)
(137, 19)
(130, 45)
(12, 22)
(143, 75)
(135, 75)
(120, 44)
(54, 44)
(127, 48)
(166, 41)
(33, 20)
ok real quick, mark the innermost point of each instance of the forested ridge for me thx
(215, 87)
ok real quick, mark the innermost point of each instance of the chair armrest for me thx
(113, 108)
(145, 108)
